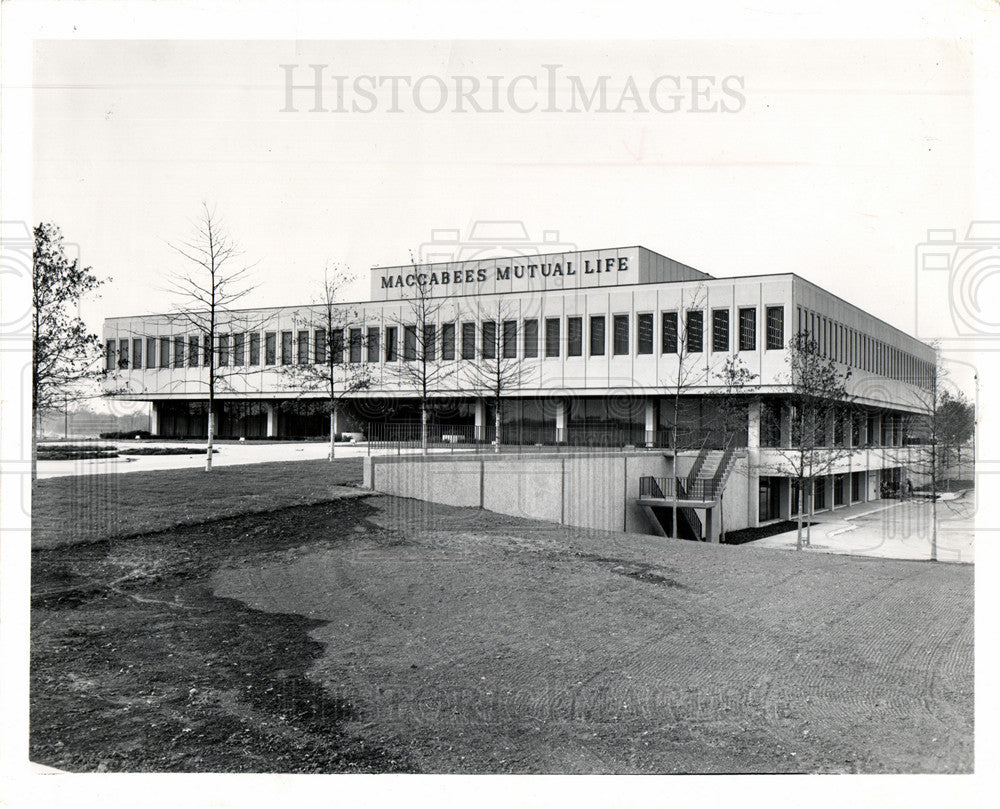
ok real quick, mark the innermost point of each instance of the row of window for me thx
(487, 340)
(841, 343)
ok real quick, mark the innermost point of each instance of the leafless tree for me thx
(208, 290)
(497, 369)
(326, 370)
(816, 396)
(422, 369)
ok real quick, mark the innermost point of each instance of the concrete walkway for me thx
(891, 529)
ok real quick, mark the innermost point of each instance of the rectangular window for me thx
(409, 343)
(337, 346)
(510, 339)
(644, 333)
(178, 352)
(239, 348)
(373, 344)
(819, 493)
(775, 328)
(223, 350)
(193, 350)
(468, 341)
(720, 330)
(151, 352)
(531, 338)
(109, 355)
(123, 353)
(355, 347)
(489, 344)
(319, 346)
(391, 344)
(254, 348)
(597, 339)
(428, 347)
(286, 348)
(270, 348)
(694, 332)
(206, 350)
(574, 337)
(164, 352)
(137, 352)
(302, 348)
(551, 337)
(669, 336)
(619, 327)
(748, 329)
(448, 341)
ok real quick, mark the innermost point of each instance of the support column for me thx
(154, 418)
(753, 463)
(651, 421)
(753, 425)
(480, 428)
(272, 419)
(711, 526)
(562, 409)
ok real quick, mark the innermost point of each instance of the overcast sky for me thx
(830, 159)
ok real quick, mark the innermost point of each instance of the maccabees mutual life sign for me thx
(526, 273)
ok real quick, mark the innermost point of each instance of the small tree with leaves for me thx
(497, 369)
(208, 289)
(64, 352)
(421, 369)
(326, 371)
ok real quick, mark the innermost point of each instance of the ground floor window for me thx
(769, 498)
(819, 494)
(857, 486)
(839, 487)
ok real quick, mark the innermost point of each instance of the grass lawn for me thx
(88, 508)
(376, 634)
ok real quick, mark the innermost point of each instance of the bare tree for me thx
(64, 353)
(208, 290)
(498, 369)
(326, 370)
(815, 399)
(422, 369)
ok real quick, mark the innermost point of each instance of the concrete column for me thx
(650, 421)
(786, 427)
(154, 418)
(562, 412)
(711, 526)
(272, 419)
(480, 428)
(753, 425)
(877, 426)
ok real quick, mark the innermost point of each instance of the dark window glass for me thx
(302, 352)
(510, 339)
(694, 332)
(239, 348)
(193, 350)
(178, 352)
(391, 344)
(373, 344)
(337, 346)
(286, 348)
(428, 347)
(164, 352)
(574, 337)
(355, 346)
(644, 334)
(123, 353)
(223, 350)
(551, 337)
(597, 339)
(669, 333)
(137, 352)
(109, 355)
(620, 326)
(748, 329)
(270, 348)
(151, 352)
(531, 338)
(409, 343)
(254, 348)
(206, 350)
(489, 346)
(468, 341)
(319, 346)
(720, 330)
(448, 341)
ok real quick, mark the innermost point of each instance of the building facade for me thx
(594, 346)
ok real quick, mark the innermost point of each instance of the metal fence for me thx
(702, 489)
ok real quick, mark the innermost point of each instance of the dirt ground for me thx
(375, 634)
